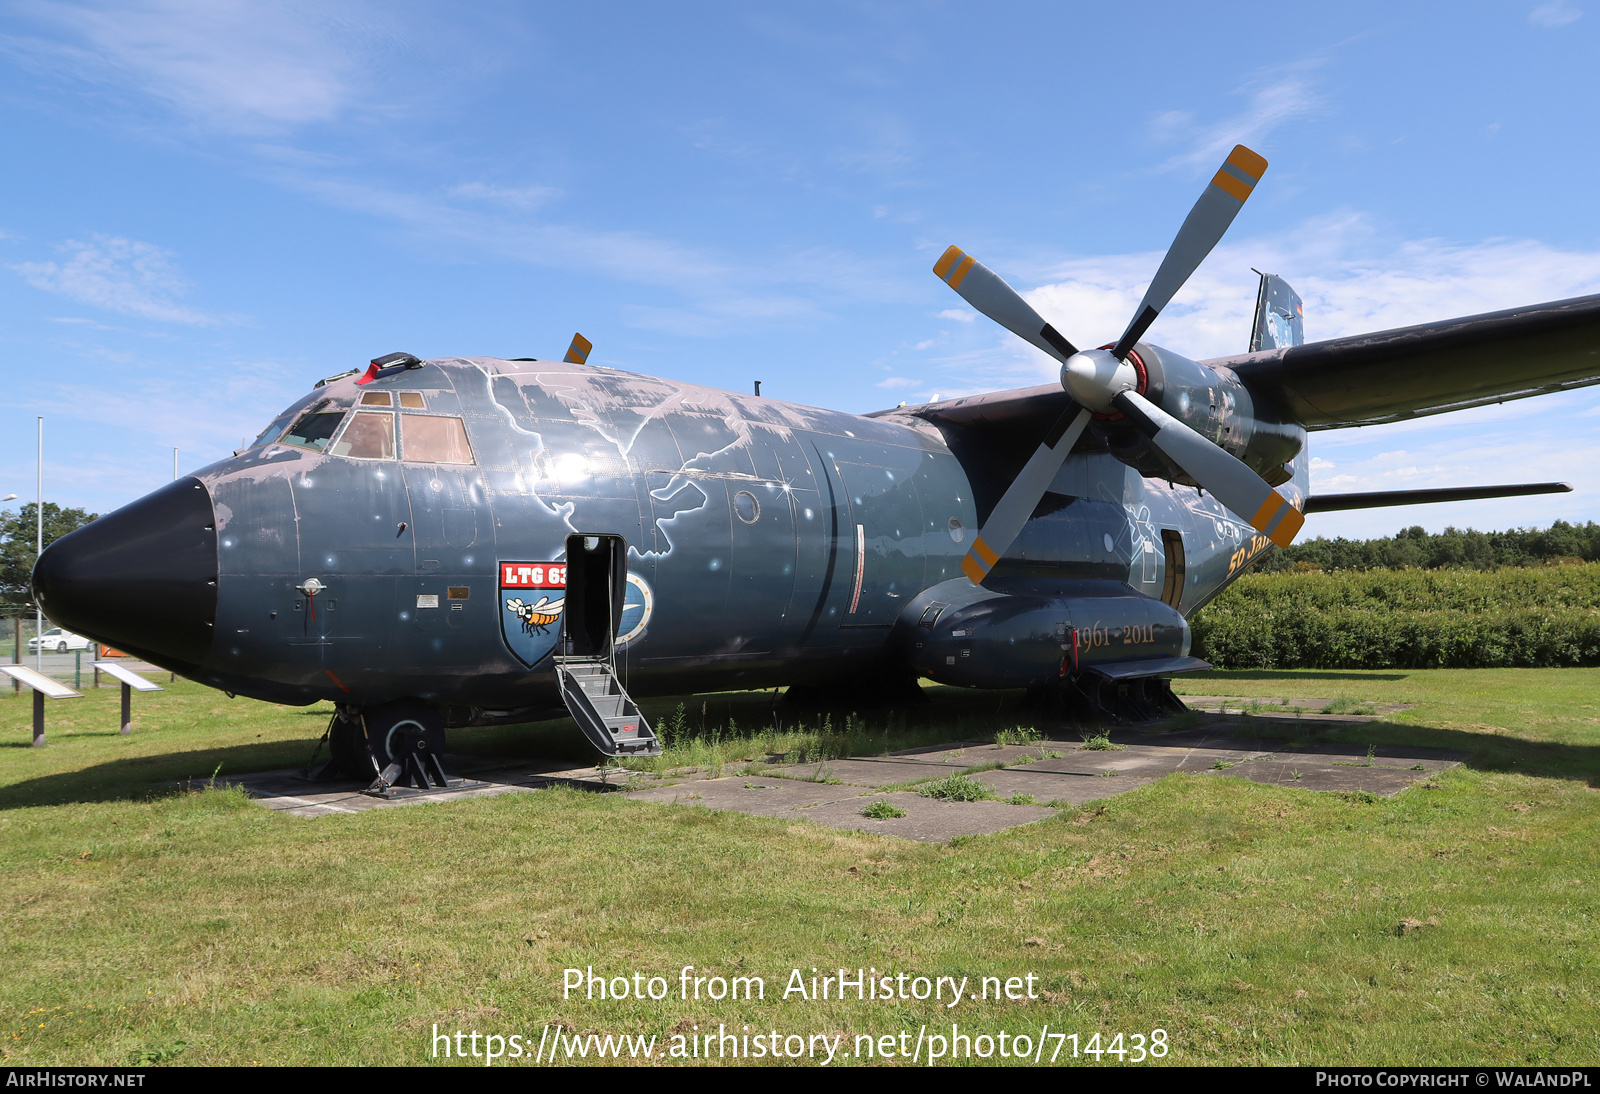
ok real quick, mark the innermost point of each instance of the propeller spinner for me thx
(1104, 380)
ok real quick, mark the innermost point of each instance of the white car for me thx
(57, 640)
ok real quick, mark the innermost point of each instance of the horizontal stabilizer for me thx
(1333, 503)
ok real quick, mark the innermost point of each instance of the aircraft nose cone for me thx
(142, 579)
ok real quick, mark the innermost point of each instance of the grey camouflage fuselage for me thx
(843, 522)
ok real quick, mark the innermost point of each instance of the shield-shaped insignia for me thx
(532, 596)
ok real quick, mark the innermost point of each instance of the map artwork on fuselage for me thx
(532, 596)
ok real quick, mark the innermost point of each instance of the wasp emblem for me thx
(537, 617)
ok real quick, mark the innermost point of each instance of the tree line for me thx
(1454, 548)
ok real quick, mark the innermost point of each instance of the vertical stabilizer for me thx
(1279, 315)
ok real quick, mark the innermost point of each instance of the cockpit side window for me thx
(313, 430)
(273, 431)
(434, 439)
(370, 436)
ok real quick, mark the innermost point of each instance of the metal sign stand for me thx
(131, 682)
(43, 688)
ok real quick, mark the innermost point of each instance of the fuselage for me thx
(400, 538)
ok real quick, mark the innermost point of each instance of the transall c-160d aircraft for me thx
(470, 541)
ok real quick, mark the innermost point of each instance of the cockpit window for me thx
(412, 400)
(271, 433)
(431, 439)
(370, 437)
(375, 398)
(313, 430)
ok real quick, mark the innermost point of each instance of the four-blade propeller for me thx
(1102, 381)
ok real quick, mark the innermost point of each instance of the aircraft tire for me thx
(404, 726)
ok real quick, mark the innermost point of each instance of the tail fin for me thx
(1279, 315)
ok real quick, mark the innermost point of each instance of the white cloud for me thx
(1351, 284)
(230, 63)
(720, 291)
(120, 275)
(897, 382)
(1475, 447)
(1278, 95)
(517, 197)
(1557, 13)
(959, 315)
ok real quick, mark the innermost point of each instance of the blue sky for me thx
(208, 206)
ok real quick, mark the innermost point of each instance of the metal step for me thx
(608, 717)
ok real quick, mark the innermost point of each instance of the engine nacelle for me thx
(1214, 403)
(1029, 632)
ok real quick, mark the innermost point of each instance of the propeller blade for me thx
(1021, 498)
(1240, 489)
(1201, 231)
(979, 286)
(578, 352)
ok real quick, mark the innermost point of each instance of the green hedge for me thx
(1405, 619)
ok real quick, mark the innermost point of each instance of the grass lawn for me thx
(1455, 923)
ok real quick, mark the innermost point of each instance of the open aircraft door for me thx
(586, 667)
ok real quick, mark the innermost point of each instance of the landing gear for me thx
(404, 746)
(399, 744)
(1092, 698)
(347, 743)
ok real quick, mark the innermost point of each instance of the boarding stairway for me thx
(586, 658)
(602, 708)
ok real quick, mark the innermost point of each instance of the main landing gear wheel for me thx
(404, 746)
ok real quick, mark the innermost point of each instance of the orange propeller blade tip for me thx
(951, 256)
(1289, 527)
(1248, 160)
(578, 352)
(1240, 172)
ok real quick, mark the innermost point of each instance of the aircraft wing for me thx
(1431, 368)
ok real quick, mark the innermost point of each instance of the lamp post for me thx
(38, 609)
(16, 630)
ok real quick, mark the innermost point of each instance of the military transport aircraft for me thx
(472, 541)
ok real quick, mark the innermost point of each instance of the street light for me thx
(8, 497)
(38, 608)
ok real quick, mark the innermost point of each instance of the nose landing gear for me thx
(398, 745)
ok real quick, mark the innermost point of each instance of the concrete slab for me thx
(1431, 759)
(762, 797)
(926, 820)
(287, 792)
(974, 755)
(1306, 773)
(877, 771)
(1076, 777)
(1146, 760)
(1057, 786)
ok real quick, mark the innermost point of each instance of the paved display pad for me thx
(763, 797)
(1054, 773)
(289, 792)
